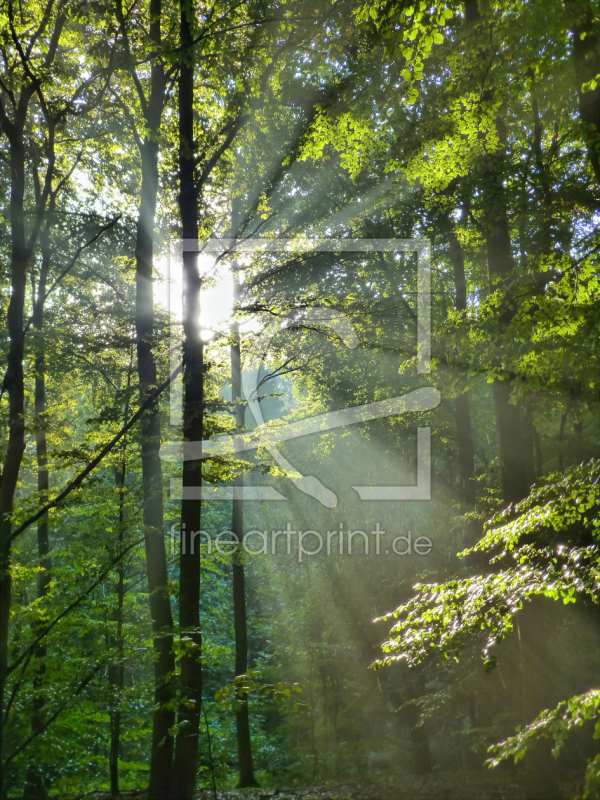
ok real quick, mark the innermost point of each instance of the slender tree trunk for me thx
(516, 449)
(116, 679)
(152, 483)
(189, 707)
(537, 447)
(34, 788)
(517, 474)
(472, 11)
(116, 669)
(14, 385)
(462, 411)
(419, 733)
(242, 720)
(561, 439)
(161, 756)
(152, 487)
(543, 173)
(516, 455)
(586, 56)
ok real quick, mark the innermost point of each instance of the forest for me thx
(300, 399)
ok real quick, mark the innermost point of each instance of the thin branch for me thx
(45, 631)
(72, 263)
(234, 128)
(42, 26)
(76, 482)
(54, 716)
(16, 688)
(62, 182)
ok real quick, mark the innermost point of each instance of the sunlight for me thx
(217, 293)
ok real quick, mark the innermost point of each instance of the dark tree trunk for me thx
(516, 453)
(152, 487)
(152, 483)
(472, 11)
(242, 720)
(116, 676)
(419, 733)
(462, 411)
(34, 787)
(586, 55)
(517, 474)
(161, 756)
(544, 174)
(539, 692)
(537, 447)
(189, 707)
(466, 456)
(516, 449)
(13, 382)
(116, 669)
(561, 439)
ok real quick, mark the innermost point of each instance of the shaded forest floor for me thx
(458, 786)
(443, 787)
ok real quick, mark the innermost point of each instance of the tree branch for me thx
(76, 482)
(45, 631)
(54, 716)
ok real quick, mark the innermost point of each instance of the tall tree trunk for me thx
(462, 411)
(516, 455)
(116, 669)
(161, 756)
(152, 487)
(516, 449)
(419, 733)
(190, 700)
(13, 382)
(34, 787)
(242, 720)
(586, 56)
(517, 474)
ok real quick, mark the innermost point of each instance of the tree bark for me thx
(516, 454)
(152, 487)
(242, 720)
(116, 669)
(190, 700)
(517, 474)
(517, 466)
(419, 734)
(462, 411)
(34, 787)
(586, 56)
(516, 450)
(161, 756)
(13, 382)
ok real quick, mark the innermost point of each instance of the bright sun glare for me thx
(217, 295)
